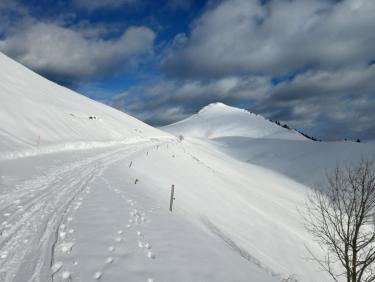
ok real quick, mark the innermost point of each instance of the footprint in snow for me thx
(109, 260)
(56, 267)
(3, 254)
(66, 276)
(62, 235)
(97, 275)
(66, 247)
(150, 255)
(111, 248)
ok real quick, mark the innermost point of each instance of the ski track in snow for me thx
(35, 212)
(132, 224)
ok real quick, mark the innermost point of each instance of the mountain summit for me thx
(219, 120)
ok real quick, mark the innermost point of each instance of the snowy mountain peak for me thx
(218, 107)
(218, 120)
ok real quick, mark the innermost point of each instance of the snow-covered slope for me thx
(220, 120)
(38, 115)
(103, 214)
(306, 162)
(84, 215)
(68, 216)
(253, 139)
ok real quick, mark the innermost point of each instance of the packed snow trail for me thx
(118, 230)
(80, 216)
(32, 211)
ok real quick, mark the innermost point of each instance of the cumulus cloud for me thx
(328, 105)
(55, 50)
(307, 63)
(332, 105)
(248, 37)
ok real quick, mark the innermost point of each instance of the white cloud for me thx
(243, 36)
(330, 105)
(52, 49)
(170, 101)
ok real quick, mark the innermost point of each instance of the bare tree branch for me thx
(341, 217)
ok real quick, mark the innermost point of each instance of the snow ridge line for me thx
(235, 247)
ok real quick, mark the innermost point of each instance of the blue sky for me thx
(308, 63)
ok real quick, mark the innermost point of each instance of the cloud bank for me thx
(58, 51)
(307, 63)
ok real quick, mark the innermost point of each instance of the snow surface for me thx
(306, 162)
(103, 214)
(253, 139)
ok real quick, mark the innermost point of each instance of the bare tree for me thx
(341, 217)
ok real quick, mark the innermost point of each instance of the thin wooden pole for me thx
(172, 198)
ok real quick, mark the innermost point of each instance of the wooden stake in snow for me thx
(172, 198)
